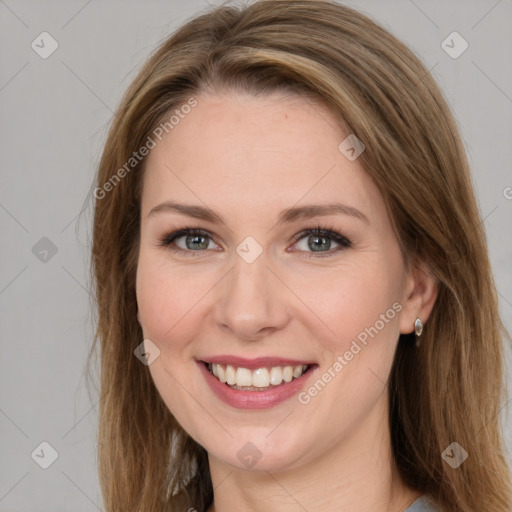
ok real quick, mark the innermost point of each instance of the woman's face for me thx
(254, 290)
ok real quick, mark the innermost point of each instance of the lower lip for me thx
(254, 399)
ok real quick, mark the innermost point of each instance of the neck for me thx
(356, 474)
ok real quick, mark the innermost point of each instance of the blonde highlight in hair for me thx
(450, 389)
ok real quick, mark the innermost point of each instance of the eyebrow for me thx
(286, 216)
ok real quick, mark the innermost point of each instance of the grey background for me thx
(54, 118)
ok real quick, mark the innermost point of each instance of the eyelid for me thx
(328, 232)
(171, 237)
(319, 230)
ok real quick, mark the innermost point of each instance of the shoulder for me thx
(423, 504)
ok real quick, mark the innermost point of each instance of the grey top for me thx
(422, 504)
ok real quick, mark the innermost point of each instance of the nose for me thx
(251, 303)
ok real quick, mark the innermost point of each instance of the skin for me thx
(247, 158)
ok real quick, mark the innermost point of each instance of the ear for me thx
(419, 296)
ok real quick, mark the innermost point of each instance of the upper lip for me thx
(252, 364)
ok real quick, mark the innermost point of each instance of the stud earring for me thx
(418, 330)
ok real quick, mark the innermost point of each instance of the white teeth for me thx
(230, 375)
(288, 373)
(259, 378)
(221, 373)
(243, 377)
(276, 376)
(297, 371)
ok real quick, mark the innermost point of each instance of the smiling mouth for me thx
(260, 379)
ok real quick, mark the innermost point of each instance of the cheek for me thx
(166, 298)
(353, 302)
(359, 311)
(169, 315)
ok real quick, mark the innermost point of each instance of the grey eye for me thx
(193, 242)
(315, 243)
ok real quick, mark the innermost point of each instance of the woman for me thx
(296, 307)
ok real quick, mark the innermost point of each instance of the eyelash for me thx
(323, 231)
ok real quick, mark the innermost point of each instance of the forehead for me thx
(240, 150)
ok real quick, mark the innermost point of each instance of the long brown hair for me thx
(451, 388)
